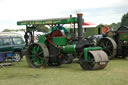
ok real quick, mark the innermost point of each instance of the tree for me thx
(21, 29)
(42, 28)
(124, 20)
(115, 26)
(9, 30)
(6, 30)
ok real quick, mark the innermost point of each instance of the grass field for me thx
(116, 73)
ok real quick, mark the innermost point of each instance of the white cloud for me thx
(25, 9)
(14, 10)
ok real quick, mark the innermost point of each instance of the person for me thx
(26, 38)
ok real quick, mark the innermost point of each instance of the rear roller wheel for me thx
(95, 60)
(37, 55)
(109, 46)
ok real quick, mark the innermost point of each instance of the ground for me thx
(116, 73)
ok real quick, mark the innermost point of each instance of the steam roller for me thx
(60, 44)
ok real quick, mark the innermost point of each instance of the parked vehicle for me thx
(12, 46)
(115, 43)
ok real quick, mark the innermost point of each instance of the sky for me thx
(95, 11)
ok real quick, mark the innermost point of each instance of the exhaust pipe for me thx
(80, 29)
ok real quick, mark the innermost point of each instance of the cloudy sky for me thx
(96, 11)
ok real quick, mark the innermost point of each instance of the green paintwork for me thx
(68, 49)
(37, 55)
(69, 35)
(110, 34)
(124, 36)
(58, 28)
(42, 39)
(89, 49)
(49, 21)
(60, 41)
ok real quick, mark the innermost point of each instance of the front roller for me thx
(93, 60)
(37, 55)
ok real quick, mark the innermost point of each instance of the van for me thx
(12, 45)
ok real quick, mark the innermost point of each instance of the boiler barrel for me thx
(69, 49)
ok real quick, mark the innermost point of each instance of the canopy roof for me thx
(123, 29)
(49, 21)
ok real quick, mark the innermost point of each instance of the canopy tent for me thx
(49, 21)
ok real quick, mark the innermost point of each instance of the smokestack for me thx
(80, 29)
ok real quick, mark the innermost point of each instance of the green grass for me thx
(116, 73)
